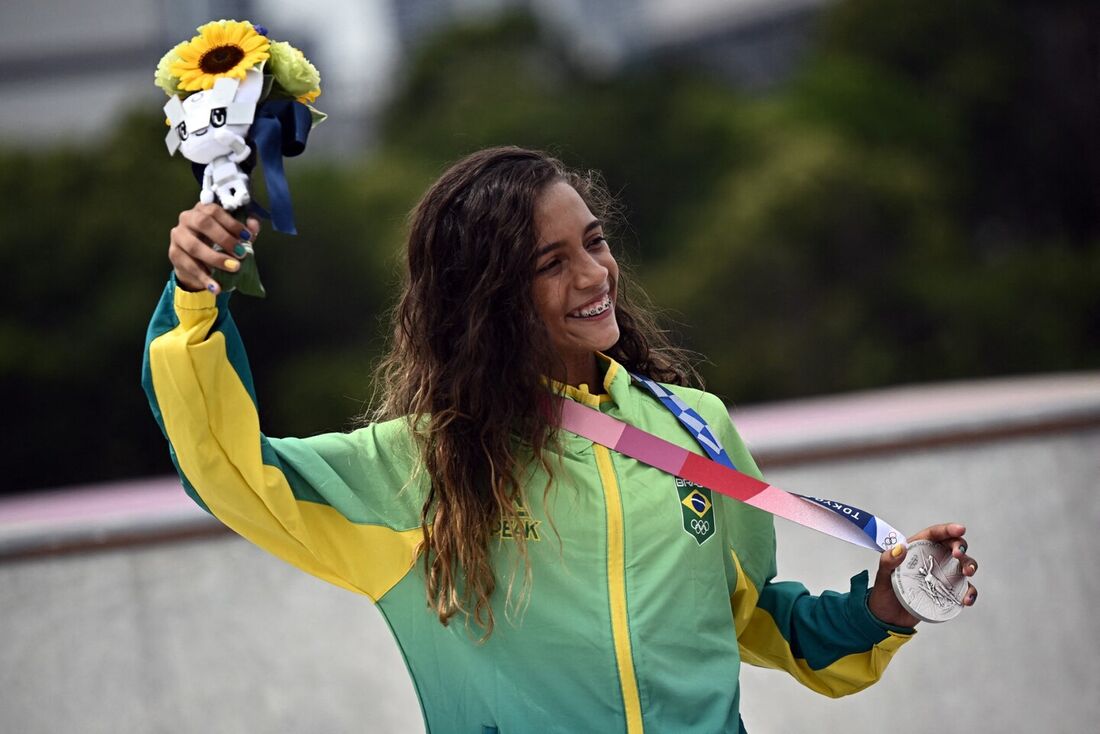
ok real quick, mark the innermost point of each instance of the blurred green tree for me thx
(85, 237)
(900, 219)
(918, 203)
(660, 136)
(80, 231)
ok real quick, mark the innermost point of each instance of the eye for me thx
(181, 130)
(596, 242)
(548, 266)
(217, 116)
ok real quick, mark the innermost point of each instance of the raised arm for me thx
(332, 505)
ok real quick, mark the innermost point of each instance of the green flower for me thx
(164, 78)
(292, 70)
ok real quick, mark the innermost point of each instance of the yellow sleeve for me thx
(829, 643)
(336, 506)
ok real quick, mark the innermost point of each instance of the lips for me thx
(592, 308)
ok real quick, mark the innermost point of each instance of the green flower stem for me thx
(247, 279)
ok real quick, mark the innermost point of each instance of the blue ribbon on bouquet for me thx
(279, 130)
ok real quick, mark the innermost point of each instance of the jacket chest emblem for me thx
(696, 509)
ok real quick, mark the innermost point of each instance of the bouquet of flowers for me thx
(236, 96)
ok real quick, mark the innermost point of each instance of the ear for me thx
(242, 110)
(172, 140)
(240, 113)
(223, 91)
(173, 110)
(253, 84)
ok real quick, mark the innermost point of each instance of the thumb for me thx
(893, 557)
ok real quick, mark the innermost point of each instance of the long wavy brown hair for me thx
(469, 356)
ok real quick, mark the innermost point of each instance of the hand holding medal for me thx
(235, 96)
(926, 581)
(930, 571)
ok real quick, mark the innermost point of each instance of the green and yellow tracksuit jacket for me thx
(646, 592)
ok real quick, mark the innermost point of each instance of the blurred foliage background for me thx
(919, 202)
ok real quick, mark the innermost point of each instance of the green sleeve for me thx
(338, 506)
(830, 643)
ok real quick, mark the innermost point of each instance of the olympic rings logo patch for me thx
(697, 510)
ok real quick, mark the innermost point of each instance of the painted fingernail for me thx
(239, 250)
(897, 551)
(231, 264)
(962, 548)
(246, 235)
(971, 599)
(212, 287)
(973, 567)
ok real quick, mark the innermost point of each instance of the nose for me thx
(589, 273)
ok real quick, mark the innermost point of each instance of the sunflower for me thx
(223, 48)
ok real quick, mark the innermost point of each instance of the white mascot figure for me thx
(209, 127)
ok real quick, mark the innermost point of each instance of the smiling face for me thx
(574, 283)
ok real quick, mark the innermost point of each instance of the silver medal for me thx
(930, 584)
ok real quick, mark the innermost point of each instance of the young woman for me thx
(535, 581)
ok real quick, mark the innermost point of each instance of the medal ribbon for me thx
(718, 473)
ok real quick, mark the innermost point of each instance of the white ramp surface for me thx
(111, 623)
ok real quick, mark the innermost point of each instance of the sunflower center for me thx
(221, 59)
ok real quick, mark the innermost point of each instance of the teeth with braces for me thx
(594, 310)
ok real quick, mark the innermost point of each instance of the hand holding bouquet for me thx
(235, 96)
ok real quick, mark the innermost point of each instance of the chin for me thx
(615, 339)
(596, 337)
(610, 340)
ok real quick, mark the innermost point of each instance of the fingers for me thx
(190, 250)
(951, 534)
(939, 533)
(892, 557)
(215, 224)
(190, 275)
(968, 565)
(194, 260)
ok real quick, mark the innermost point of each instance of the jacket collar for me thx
(616, 385)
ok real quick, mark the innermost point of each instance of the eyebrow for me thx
(594, 224)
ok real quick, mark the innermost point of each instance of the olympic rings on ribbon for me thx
(701, 527)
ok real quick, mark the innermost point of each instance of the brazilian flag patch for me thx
(697, 510)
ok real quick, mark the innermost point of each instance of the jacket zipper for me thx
(616, 581)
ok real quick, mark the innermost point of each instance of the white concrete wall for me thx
(1026, 658)
(210, 636)
(215, 636)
